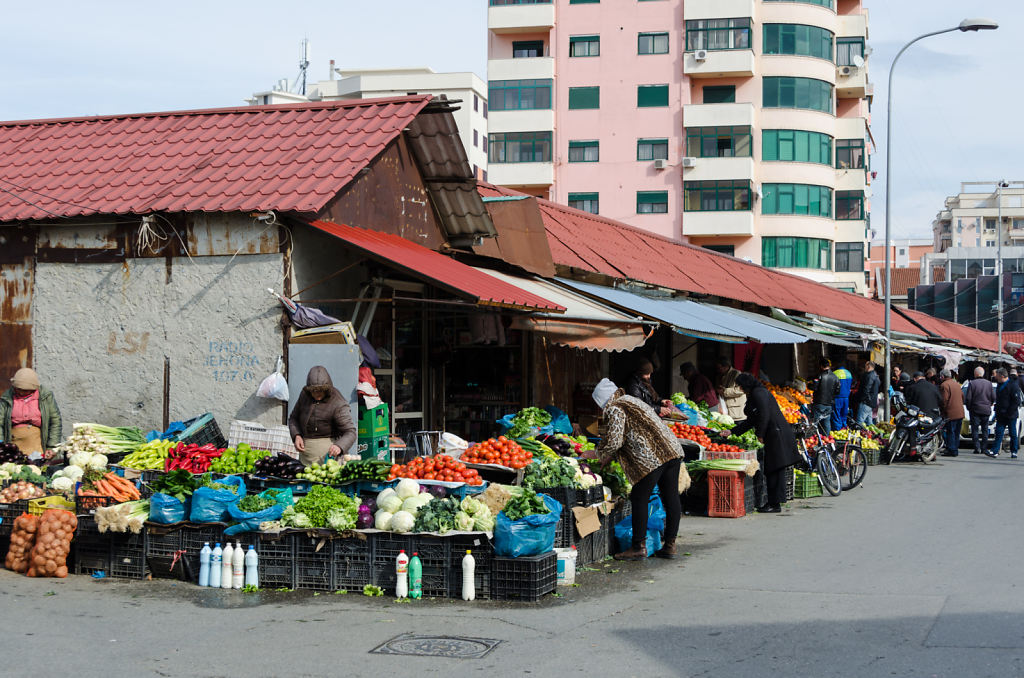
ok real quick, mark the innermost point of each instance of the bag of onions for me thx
(53, 543)
(23, 538)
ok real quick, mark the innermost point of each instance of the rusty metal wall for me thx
(17, 282)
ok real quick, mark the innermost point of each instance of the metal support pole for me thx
(999, 260)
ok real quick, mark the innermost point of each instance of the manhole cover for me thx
(452, 647)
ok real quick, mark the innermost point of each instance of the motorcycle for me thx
(916, 436)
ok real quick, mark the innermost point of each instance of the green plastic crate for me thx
(375, 447)
(806, 485)
(872, 457)
(375, 422)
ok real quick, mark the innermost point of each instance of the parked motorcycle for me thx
(916, 436)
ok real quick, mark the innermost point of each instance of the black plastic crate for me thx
(5, 545)
(276, 561)
(90, 558)
(527, 578)
(208, 433)
(749, 494)
(434, 553)
(352, 562)
(483, 557)
(790, 478)
(566, 496)
(9, 512)
(163, 541)
(314, 574)
(194, 536)
(593, 495)
(127, 556)
(695, 499)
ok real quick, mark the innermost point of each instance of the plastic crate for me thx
(873, 457)
(37, 506)
(434, 553)
(375, 422)
(725, 494)
(749, 494)
(8, 512)
(353, 563)
(695, 499)
(314, 556)
(90, 558)
(276, 439)
(163, 541)
(565, 532)
(788, 476)
(128, 556)
(374, 447)
(806, 486)
(748, 455)
(201, 431)
(526, 579)
(483, 557)
(86, 506)
(276, 561)
(5, 545)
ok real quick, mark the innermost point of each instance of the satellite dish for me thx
(858, 61)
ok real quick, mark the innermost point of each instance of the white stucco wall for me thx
(101, 332)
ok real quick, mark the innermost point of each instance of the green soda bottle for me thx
(415, 576)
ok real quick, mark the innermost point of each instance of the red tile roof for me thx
(902, 280)
(283, 158)
(445, 272)
(593, 243)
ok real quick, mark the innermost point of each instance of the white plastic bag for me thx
(275, 385)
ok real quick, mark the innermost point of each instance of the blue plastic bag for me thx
(165, 509)
(211, 506)
(693, 416)
(560, 422)
(250, 522)
(529, 536)
(624, 537)
(655, 514)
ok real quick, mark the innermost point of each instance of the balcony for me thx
(851, 128)
(726, 63)
(718, 115)
(717, 9)
(854, 179)
(521, 173)
(852, 26)
(713, 169)
(851, 82)
(531, 68)
(521, 18)
(718, 223)
(521, 120)
(1016, 233)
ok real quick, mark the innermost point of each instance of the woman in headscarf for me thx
(650, 456)
(29, 416)
(766, 420)
(321, 423)
(641, 388)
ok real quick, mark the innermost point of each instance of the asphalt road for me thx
(914, 574)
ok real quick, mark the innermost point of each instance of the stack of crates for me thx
(373, 429)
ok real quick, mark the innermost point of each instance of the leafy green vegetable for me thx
(547, 473)
(526, 420)
(437, 516)
(528, 503)
(371, 590)
(179, 484)
(254, 503)
(319, 504)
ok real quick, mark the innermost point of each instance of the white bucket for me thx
(566, 566)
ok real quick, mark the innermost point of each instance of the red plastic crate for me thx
(725, 494)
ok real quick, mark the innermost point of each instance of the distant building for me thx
(906, 253)
(370, 83)
(736, 125)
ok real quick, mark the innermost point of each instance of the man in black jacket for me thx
(825, 395)
(868, 394)
(925, 396)
(1008, 402)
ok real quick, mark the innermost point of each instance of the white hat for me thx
(603, 392)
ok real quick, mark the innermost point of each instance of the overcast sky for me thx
(957, 104)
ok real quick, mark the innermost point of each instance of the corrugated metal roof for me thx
(437, 269)
(793, 327)
(285, 158)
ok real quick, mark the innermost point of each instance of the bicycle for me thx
(850, 460)
(823, 465)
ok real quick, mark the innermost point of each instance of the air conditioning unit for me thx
(689, 162)
(847, 70)
(700, 55)
(661, 163)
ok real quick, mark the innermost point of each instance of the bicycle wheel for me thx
(857, 468)
(828, 476)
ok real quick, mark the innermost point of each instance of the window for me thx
(785, 92)
(652, 149)
(719, 142)
(1018, 224)
(798, 39)
(520, 147)
(722, 249)
(496, 3)
(476, 139)
(847, 49)
(519, 95)
(796, 253)
(584, 2)
(796, 199)
(583, 151)
(485, 110)
(650, 96)
(990, 224)
(716, 196)
(584, 97)
(789, 145)
(527, 49)
(719, 94)
(849, 154)
(903, 251)
(476, 103)
(483, 141)
(990, 243)
(585, 46)
(821, 3)
(717, 34)
(849, 257)
(584, 201)
(652, 202)
(652, 43)
(850, 205)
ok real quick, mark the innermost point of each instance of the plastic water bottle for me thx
(204, 564)
(237, 566)
(252, 572)
(402, 575)
(225, 570)
(215, 569)
(468, 576)
(415, 576)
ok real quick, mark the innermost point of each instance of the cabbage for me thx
(98, 462)
(463, 522)
(342, 519)
(402, 522)
(471, 506)
(75, 473)
(484, 523)
(384, 494)
(382, 521)
(406, 488)
(365, 518)
(80, 459)
(411, 505)
(392, 503)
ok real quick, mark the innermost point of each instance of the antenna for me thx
(300, 79)
(858, 61)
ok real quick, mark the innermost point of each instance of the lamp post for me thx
(965, 25)
(1000, 185)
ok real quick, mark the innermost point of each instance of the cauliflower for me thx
(63, 484)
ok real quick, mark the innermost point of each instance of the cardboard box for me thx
(587, 520)
(337, 333)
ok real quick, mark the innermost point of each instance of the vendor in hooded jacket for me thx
(321, 424)
(29, 416)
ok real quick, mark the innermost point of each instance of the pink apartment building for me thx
(739, 125)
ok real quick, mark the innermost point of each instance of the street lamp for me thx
(964, 26)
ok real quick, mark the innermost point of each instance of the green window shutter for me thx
(725, 94)
(584, 151)
(650, 96)
(768, 251)
(651, 202)
(800, 248)
(584, 97)
(585, 46)
(769, 145)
